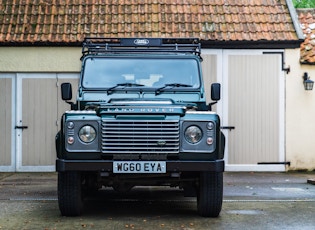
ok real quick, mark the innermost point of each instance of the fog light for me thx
(209, 140)
(70, 140)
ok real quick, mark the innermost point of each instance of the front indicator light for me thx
(210, 125)
(70, 125)
(87, 134)
(193, 134)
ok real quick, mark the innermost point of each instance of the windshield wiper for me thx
(127, 84)
(171, 85)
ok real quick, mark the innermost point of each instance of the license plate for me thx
(139, 167)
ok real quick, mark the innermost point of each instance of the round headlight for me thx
(193, 134)
(87, 134)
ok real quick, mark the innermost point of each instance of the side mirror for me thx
(215, 94)
(215, 91)
(66, 91)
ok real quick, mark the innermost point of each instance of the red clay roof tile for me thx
(69, 21)
(307, 48)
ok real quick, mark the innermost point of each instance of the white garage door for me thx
(39, 109)
(254, 111)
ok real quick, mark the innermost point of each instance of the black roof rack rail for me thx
(99, 45)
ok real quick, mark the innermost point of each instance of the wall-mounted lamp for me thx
(308, 84)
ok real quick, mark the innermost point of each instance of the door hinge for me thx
(275, 163)
(21, 127)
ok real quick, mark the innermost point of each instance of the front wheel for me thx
(210, 194)
(70, 197)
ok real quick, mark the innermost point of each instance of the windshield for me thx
(103, 72)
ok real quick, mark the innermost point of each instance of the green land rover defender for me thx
(140, 119)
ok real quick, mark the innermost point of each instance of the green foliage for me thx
(304, 3)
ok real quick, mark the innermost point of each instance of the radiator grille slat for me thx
(139, 136)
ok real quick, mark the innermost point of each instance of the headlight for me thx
(193, 134)
(87, 134)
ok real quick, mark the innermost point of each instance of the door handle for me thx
(21, 127)
(228, 127)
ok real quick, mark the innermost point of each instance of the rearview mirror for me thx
(66, 91)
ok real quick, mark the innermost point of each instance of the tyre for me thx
(210, 194)
(70, 197)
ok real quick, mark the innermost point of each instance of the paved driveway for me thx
(251, 201)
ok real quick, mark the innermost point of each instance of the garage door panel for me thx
(209, 69)
(6, 117)
(39, 108)
(253, 109)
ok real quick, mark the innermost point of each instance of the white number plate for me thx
(139, 167)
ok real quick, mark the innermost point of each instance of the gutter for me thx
(41, 44)
(245, 44)
(209, 44)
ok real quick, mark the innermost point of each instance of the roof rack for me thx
(96, 45)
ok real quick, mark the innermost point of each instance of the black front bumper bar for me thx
(63, 165)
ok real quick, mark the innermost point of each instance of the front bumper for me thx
(63, 165)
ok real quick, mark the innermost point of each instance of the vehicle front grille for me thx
(140, 136)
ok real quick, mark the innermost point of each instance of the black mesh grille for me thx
(140, 136)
